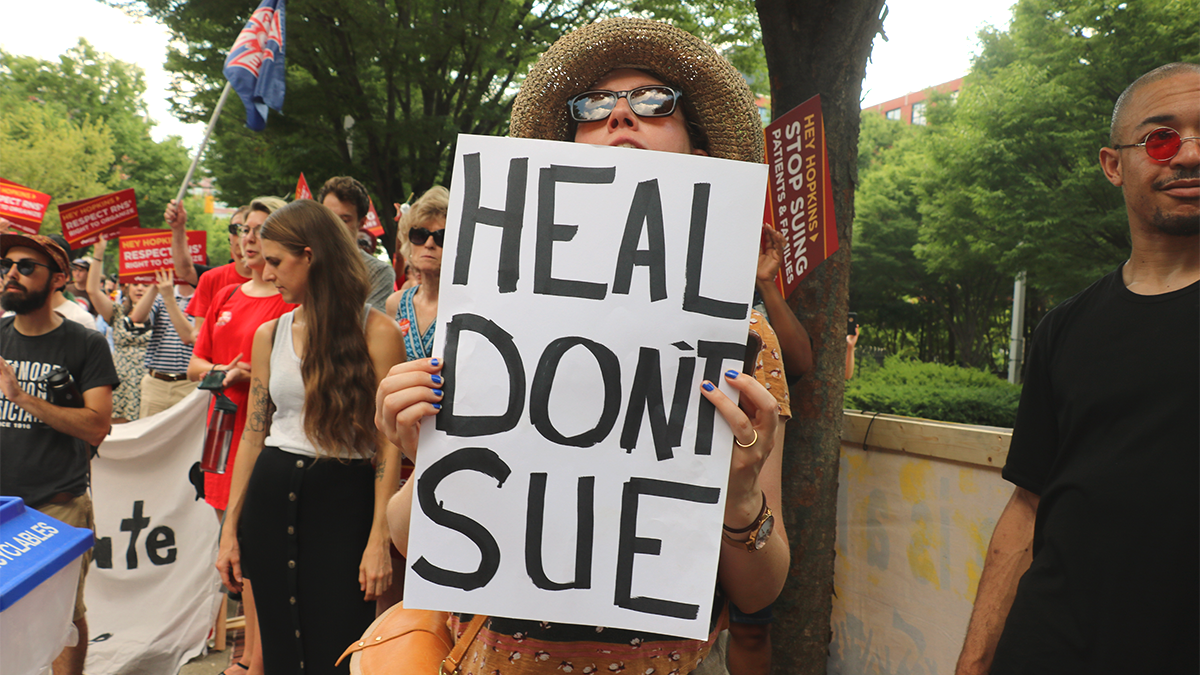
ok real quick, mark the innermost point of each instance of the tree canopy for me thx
(32, 130)
(85, 112)
(1006, 177)
(380, 91)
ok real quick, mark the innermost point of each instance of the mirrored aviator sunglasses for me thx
(655, 100)
(1161, 144)
(418, 235)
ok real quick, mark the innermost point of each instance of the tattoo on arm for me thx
(379, 469)
(260, 407)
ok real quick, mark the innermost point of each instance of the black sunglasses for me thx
(235, 229)
(25, 266)
(418, 236)
(655, 100)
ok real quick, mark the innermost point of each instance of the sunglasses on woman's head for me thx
(655, 100)
(25, 266)
(418, 236)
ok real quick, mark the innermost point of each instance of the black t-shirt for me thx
(36, 461)
(1107, 434)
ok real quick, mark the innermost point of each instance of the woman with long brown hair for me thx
(313, 477)
(225, 341)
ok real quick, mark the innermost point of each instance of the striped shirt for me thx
(382, 278)
(167, 353)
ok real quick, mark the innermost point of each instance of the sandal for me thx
(236, 664)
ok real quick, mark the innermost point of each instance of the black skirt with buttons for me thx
(303, 530)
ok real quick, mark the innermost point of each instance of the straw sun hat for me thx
(715, 95)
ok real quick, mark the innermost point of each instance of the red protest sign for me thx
(302, 191)
(83, 221)
(142, 251)
(23, 207)
(799, 192)
(373, 225)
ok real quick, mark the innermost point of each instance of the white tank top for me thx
(287, 392)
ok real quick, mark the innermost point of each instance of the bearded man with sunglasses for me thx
(1092, 565)
(44, 447)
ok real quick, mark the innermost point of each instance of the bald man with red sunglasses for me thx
(1092, 567)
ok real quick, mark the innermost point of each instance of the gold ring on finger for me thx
(746, 445)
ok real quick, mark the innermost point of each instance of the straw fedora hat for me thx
(715, 96)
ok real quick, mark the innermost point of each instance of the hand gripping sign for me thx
(23, 207)
(144, 250)
(800, 193)
(84, 221)
(575, 474)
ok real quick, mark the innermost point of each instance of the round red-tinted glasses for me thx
(1162, 144)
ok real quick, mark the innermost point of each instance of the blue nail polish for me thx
(437, 405)
(708, 386)
(437, 392)
(433, 362)
(731, 374)
(437, 379)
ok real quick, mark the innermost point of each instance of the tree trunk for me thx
(817, 47)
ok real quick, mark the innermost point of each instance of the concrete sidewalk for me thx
(212, 663)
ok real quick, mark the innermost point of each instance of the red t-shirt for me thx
(228, 330)
(211, 282)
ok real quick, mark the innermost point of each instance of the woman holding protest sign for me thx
(682, 97)
(129, 339)
(309, 490)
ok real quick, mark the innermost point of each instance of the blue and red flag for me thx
(255, 65)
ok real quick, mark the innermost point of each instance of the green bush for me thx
(933, 391)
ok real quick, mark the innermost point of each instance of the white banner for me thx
(152, 591)
(575, 475)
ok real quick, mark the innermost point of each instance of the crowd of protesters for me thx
(305, 323)
(331, 368)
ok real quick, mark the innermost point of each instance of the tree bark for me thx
(817, 47)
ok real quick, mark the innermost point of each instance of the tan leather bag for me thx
(410, 642)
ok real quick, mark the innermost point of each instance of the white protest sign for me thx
(575, 474)
(153, 591)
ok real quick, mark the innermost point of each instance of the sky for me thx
(929, 42)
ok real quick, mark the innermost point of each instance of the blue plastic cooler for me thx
(39, 573)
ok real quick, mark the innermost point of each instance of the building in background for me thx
(911, 107)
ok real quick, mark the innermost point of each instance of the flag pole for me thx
(200, 151)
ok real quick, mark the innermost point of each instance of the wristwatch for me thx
(760, 530)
